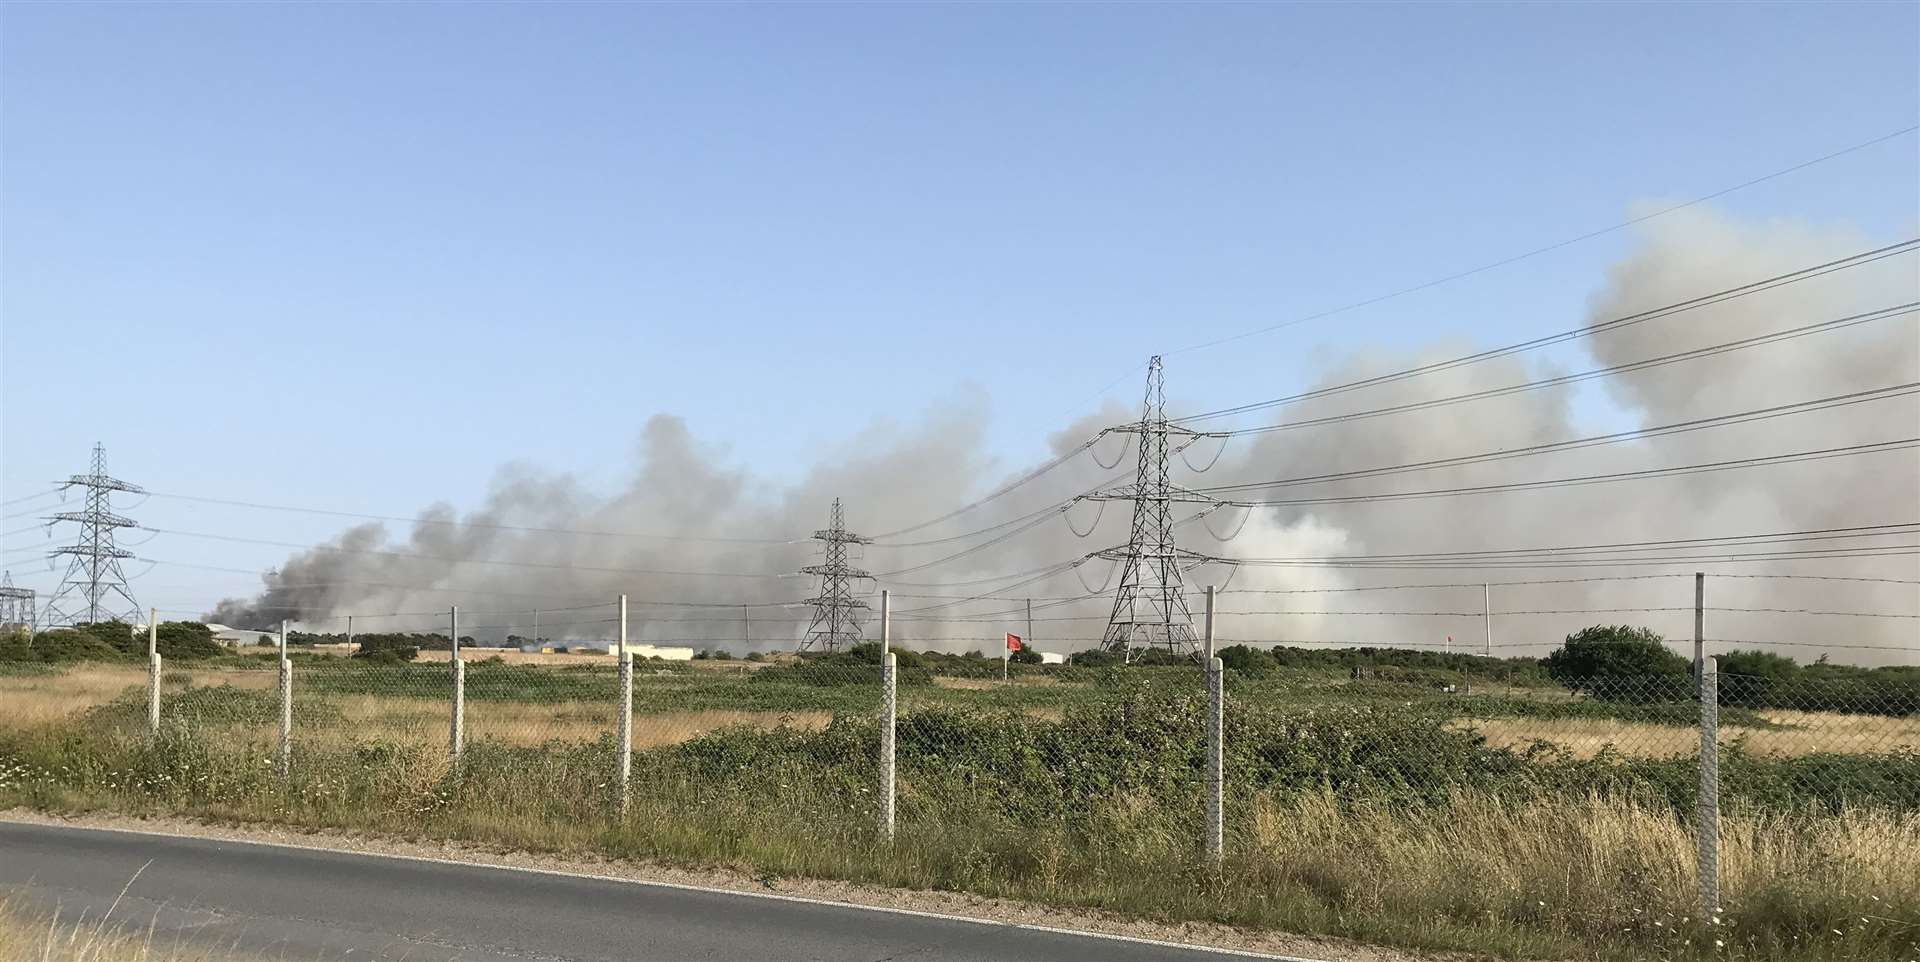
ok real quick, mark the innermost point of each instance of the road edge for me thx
(376, 847)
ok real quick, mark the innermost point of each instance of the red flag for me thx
(1013, 642)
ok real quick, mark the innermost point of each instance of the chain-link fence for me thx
(1075, 771)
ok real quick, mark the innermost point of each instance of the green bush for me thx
(59, 646)
(386, 656)
(1755, 679)
(1619, 663)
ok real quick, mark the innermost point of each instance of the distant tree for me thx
(1025, 656)
(1755, 679)
(869, 652)
(1096, 658)
(1246, 659)
(1618, 663)
(1758, 664)
(387, 656)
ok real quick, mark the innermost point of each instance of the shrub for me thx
(1619, 663)
(59, 646)
(387, 656)
(1245, 659)
(1095, 658)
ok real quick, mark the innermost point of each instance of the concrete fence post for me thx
(889, 705)
(153, 672)
(624, 748)
(889, 679)
(1709, 810)
(457, 734)
(1216, 759)
(1216, 734)
(286, 707)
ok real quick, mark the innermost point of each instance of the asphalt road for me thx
(290, 903)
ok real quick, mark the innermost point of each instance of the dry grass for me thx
(1805, 733)
(32, 699)
(26, 936)
(525, 724)
(1596, 866)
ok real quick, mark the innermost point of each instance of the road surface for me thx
(291, 903)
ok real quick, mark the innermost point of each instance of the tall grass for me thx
(27, 935)
(1363, 821)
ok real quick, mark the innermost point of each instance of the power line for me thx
(997, 493)
(1573, 444)
(1818, 454)
(1895, 551)
(1571, 611)
(10, 502)
(1049, 601)
(1565, 379)
(1704, 300)
(982, 546)
(1550, 247)
(1619, 546)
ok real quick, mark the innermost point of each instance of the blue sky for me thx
(358, 256)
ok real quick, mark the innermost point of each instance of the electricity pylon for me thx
(94, 579)
(17, 608)
(836, 612)
(1150, 606)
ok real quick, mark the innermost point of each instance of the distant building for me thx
(673, 653)
(238, 637)
(1052, 658)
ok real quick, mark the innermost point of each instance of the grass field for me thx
(1797, 733)
(673, 706)
(1356, 808)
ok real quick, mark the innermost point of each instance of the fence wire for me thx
(1003, 767)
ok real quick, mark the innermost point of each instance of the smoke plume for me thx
(707, 550)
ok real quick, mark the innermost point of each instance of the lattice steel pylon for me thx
(17, 609)
(1150, 605)
(94, 579)
(836, 612)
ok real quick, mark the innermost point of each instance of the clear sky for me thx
(358, 255)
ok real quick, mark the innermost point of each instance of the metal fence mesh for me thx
(1006, 770)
